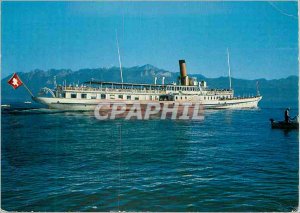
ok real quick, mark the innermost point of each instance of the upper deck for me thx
(144, 86)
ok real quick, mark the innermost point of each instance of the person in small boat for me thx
(287, 115)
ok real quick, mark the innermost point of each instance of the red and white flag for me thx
(15, 81)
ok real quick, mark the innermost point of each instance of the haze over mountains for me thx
(274, 92)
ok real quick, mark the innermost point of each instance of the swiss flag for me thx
(15, 81)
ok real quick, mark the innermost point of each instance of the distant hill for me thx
(274, 91)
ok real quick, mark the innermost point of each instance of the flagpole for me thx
(257, 88)
(229, 70)
(28, 89)
(121, 72)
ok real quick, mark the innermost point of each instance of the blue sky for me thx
(261, 36)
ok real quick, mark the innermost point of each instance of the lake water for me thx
(230, 161)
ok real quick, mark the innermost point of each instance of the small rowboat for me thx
(284, 125)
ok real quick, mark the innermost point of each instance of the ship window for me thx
(73, 95)
(176, 97)
(128, 97)
(93, 96)
(136, 98)
(63, 95)
(120, 96)
(112, 96)
(204, 98)
(166, 98)
(103, 96)
(185, 97)
(83, 95)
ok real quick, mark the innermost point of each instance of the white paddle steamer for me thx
(87, 96)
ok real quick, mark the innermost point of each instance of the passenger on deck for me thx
(287, 115)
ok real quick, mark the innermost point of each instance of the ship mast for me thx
(229, 71)
(121, 73)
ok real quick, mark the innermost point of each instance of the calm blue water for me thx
(231, 161)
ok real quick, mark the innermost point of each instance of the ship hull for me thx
(235, 103)
(68, 104)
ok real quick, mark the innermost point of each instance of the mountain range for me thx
(275, 91)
